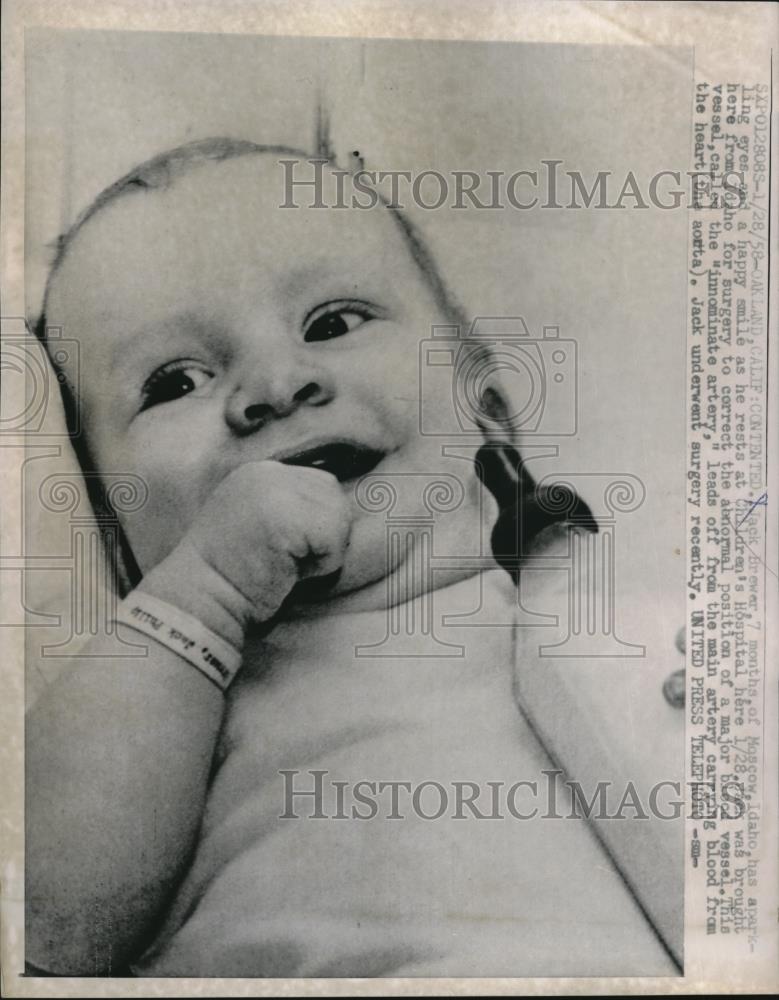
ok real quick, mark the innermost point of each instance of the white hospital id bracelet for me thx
(182, 633)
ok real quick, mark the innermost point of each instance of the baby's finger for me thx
(327, 531)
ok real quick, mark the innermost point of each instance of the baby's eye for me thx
(172, 381)
(334, 320)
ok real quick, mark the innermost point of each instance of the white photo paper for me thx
(389, 559)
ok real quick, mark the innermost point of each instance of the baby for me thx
(252, 364)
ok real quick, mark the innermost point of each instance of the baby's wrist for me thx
(182, 633)
(187, 582)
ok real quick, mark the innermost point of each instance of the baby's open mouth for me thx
(341, 459)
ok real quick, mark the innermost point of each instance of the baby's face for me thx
(203, 306)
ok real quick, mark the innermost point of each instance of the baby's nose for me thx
(262, 399)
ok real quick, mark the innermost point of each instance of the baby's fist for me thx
(263, 529)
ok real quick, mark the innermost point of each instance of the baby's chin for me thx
(363, 583)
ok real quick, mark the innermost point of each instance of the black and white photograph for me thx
(391, 549)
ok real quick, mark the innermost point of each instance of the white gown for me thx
(455, 895)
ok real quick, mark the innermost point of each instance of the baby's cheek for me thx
(177, 486)
(155, 537)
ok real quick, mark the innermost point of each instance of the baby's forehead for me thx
(249, 193)
(207, 217)
(216, 243)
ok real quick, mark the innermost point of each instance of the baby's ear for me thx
(493, 405)
(494, 418)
